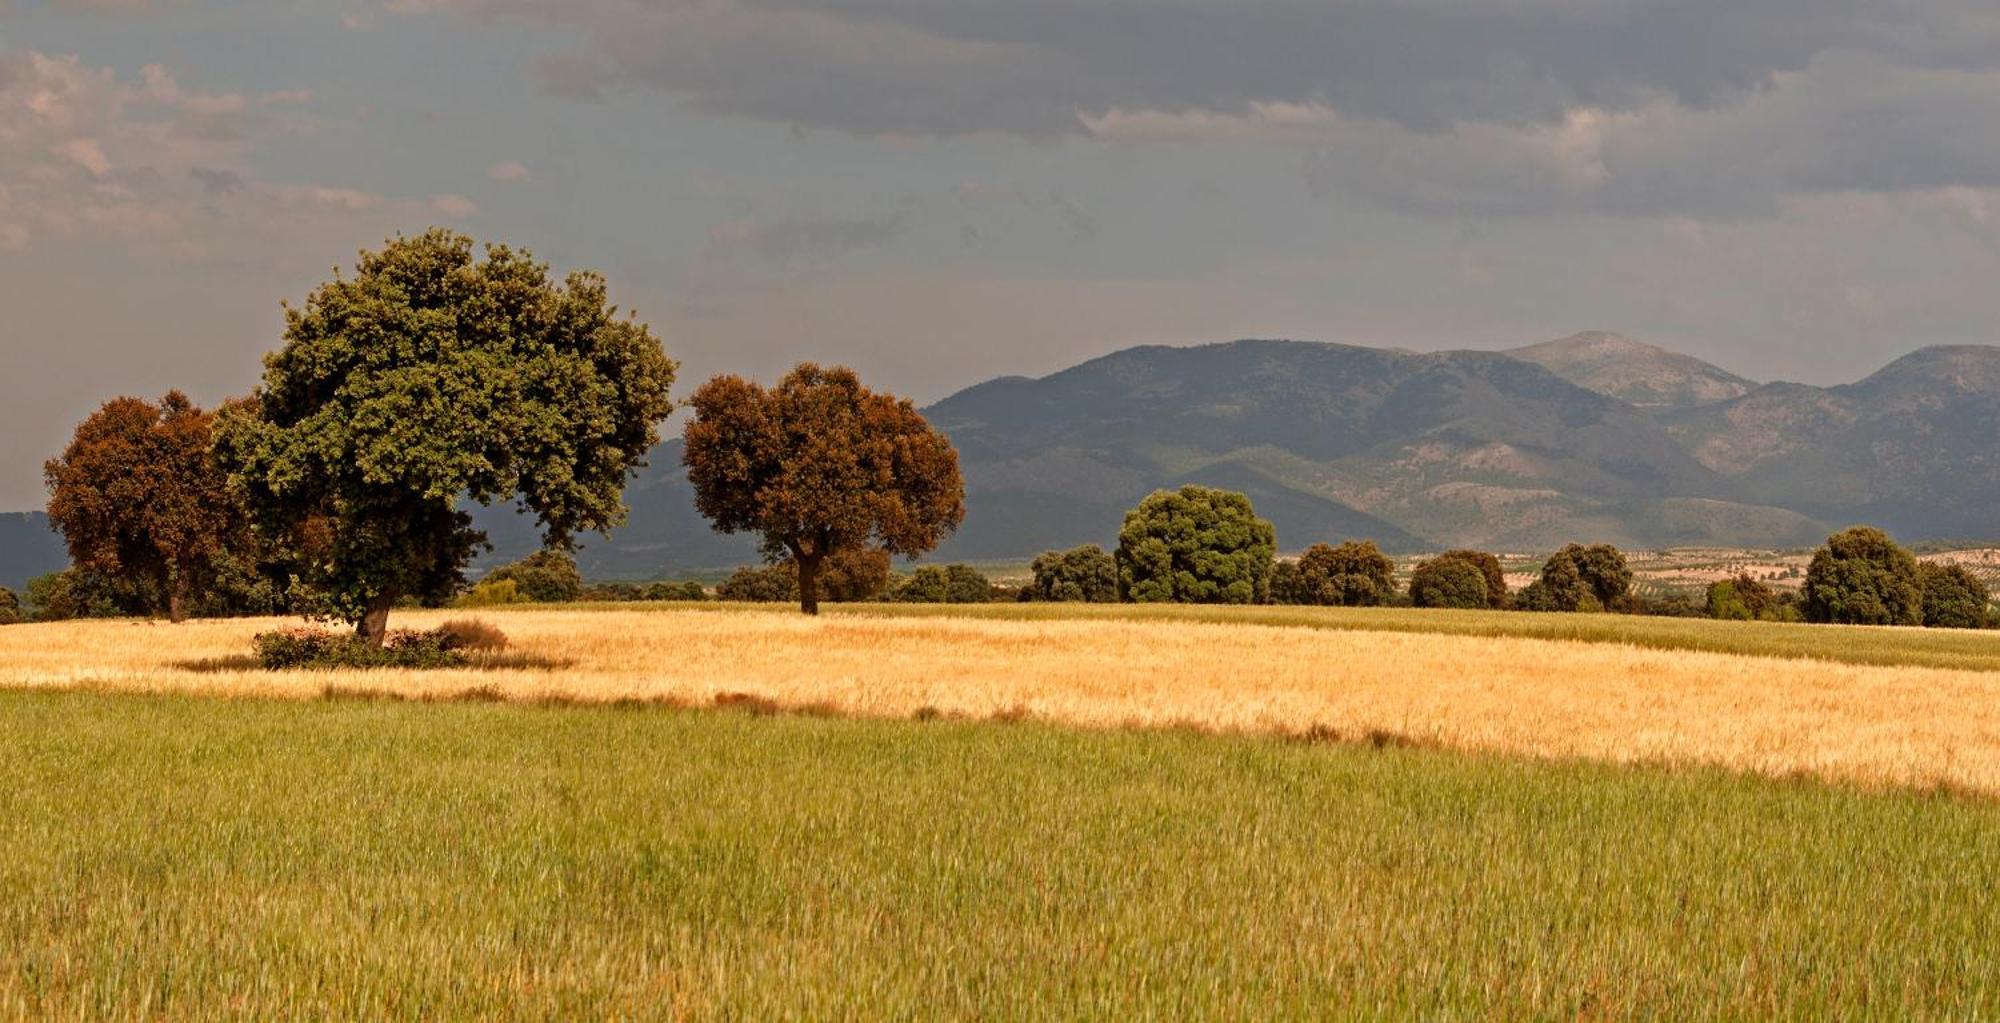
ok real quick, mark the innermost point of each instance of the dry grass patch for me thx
(1880, 725)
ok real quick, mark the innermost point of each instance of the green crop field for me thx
(184, 858)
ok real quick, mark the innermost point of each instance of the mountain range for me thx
(1594, 437)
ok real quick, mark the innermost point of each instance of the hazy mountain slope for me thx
(28, 548)
(1912, 448)
(1416, 450)
(1631, 371)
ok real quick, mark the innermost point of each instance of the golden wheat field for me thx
(1606, 701)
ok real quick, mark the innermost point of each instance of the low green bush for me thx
(320, 650)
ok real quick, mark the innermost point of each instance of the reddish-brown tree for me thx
(136, 495)
(820, 464)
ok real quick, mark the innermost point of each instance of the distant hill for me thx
(28, 548)
(1911, 448)
(1644, 375)
(1517, 451)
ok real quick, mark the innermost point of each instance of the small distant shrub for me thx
(684, 591)
(951, 584)
(1578, 578)
(317, 649)
(1354, 574)
(492, 593)
(612, 593)
(544, 577)
(1954, 598)
(771, 584)
(1087, 574)
(1748, 599)
(468, 634)
(1672, 605)
(1449, 583)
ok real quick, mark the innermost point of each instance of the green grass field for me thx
(174, 858)
(1932, 648)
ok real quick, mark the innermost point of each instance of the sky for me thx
(937, 192)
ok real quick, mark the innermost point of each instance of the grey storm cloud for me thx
(1031, 67)
(1454, 106)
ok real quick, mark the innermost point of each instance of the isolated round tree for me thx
(1861, 577)
(1954, 598)
(820, 464)
(429, 378)
(1354, 574)
(137, 497)
(1449, 582)
(1195, 545)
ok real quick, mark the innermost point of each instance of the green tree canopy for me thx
(1580, 578)
(1449, 582)
(1354, 574)
(1954, 598)
(1862, 577)
(1195, 545)
(430, 377)
(1087, 574)
(820, 464)
(1489, 570)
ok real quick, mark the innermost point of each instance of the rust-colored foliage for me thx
(136, 494)
(820, 464)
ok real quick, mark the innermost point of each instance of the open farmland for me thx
(1850, 713)
(180, 858)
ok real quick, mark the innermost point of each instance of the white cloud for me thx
(509, 171)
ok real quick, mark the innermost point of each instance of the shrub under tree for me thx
(1954, 598)
(1195, 545)
(1087, 574)
(137, 496)
(1449, 582)
(428, 378)
(1862, 577)
(820, 464)
(765, 584)
(851, 575)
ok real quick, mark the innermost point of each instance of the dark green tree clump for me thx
(11, 612)
(544, 577)
(430, 377)
(950, 584)
(1354, 574)
(1747, 599)
(1954, 598)
(1489, 570)
(1580, 578)
(1449, 582)
(818, 465)
(767, 584)
(1086, 574)
(1862, 577)
(81, 593)
(1195, 545)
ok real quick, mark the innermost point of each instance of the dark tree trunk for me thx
(809, 583)
(374, 624)
(177, 598)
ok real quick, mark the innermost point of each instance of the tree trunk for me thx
(177, 598)
(374, 624)
(809, 583)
